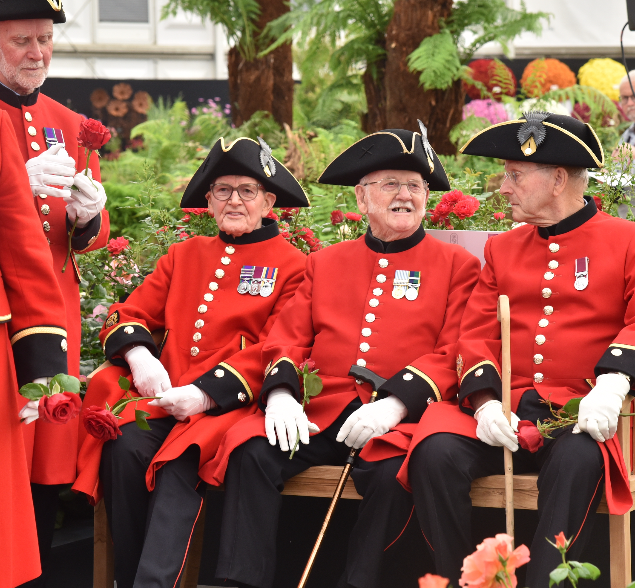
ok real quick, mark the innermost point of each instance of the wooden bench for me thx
(321, 481)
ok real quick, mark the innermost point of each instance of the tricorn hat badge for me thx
(266, 159)
(532, 132)
(426, 145)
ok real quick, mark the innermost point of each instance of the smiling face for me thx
(26, 47)
(236, 216)
(393, 215)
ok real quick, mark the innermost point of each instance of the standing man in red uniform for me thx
(569, 273)
(33, 346)
(47, 137)
(390, 301)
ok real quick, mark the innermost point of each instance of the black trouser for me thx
(443, 466)
(150, 530)
(255, 477)
(45, 502)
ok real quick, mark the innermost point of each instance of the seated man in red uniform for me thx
(390, 301)
(569, 273)
(214, 300)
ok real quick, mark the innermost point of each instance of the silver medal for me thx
(581, 282)
(255, 287)
(266, 288)
(243, 287)
(412, 293)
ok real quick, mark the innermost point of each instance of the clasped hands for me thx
(285, 421)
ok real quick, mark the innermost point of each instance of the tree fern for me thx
(438, 61)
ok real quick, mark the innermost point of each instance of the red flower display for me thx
(288, 213)
(195, 211)
(499, 215)
(186, 218)
(101, 423)
(92, 134)
(117, 246)
(59, 408)
(337, 217)
(494, 75)
(273, 215)
(353, 216)
(582, 111)
(529, 437)
(183, 236)
(462, 205)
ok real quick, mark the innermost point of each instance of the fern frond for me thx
(438, 61)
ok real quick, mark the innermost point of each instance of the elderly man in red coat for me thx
(390, 301)
(47, 142)
(569, 273)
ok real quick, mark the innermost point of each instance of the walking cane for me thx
(375, 381)
(506, 375)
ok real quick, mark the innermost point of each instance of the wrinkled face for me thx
(236, 216)
(26, 47)
(627, 100)
(393, 211)
(531, 194)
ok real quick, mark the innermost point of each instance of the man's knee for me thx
(254, 454)
(382, 475)
(588, 459)
(435, 454)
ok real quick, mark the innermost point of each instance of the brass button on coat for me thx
(202, 308)
(229, 249)
(364, 347)
(28, 117)
(553, 264)
(208, 297)
(47, 226)
(538, 377)
(194, 351)
(616, 352)
(540, 339)
(31, 131)
(199, 323)
(213, 286)
(554, 247)
(197, 337)
(45, 209)
(543, 323)
(538, 358)
(219, 273)
(549, 275)
(546, 292)
(225, 260)
(361, 362)
(35, 146)
(548, 310)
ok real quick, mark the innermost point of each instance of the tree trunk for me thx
(263, 83)
(375, 89)
(406, 101)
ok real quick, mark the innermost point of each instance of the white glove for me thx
(184, 401)
(148, 374)
(372, 420)
(600, 408)
(30, 411)
(493, 427)
(284, 416)
(87, 201)
(54, 167)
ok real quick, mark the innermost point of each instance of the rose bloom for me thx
(92, 134)
(195, 211)
(337, 217)
(561, 541)
(186, 218)
(432, 581)
(465, 208)
(98, 311)
(443, 208)
(100, 423)
(499, 215)
(598, 202)
(273, 215)
(126, 278)
(307, 362)
(353, 216)
(287, 213)
(480, 568)
(453, 196)
(117, 246)
(529, 437)
(59, 408)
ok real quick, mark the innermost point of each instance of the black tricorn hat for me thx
(388, 149)
(28, 9)
(540, 137)
(244, 157)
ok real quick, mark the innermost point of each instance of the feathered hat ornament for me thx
(266, 158)
(426, 145)
(532, 133)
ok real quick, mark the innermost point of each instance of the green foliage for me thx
(437, 58)
(468, 127)
(33, 391)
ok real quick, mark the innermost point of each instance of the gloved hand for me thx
(184, 401)
(148, 374)
(284, 416)
(30, 411)
(87, 201)
(371, 420)
(600, 408)
(54, 167)
(493, 427)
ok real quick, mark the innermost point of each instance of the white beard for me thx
(18, 79)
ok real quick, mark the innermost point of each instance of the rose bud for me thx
(529, 436)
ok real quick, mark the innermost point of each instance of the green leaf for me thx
(33, 391)
(312, 385)
(140, 417)
(116, 405)
(558, 575)
(67, 383)
(124, 383)
(55, 388)
(437, 58)
(594, 573)
(572, 407)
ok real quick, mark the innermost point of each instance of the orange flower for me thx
(484, 568)
(542, 75)
(561, 541)
(432, 581)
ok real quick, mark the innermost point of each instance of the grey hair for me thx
(625, 78)
(580, 174)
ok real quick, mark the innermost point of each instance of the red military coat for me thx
(561, 337)
(52, 449)
(32, 344)
(213, 335)
(344, 314)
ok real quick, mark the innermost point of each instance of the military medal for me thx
(256, 281)
(268, 281)
(581, 273)
(246, 273)
(53, 137)
(414, 281)
(399, 284)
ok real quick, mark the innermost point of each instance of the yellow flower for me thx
(604, 75)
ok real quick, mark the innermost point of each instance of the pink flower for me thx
(432, 581)
(309, 363)
(126, 278)
(353, 216)
(337, 217)
(493, 111)
(484, 567)
(499, 215)
(98, 311)
(529, 437)
(118, 245)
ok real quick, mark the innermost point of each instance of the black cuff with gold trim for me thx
(282, 374)
(226, 387)
(84, 237)
(127, 334)
(39, 352)
(617, 358)
(415, 391)
(479, 378)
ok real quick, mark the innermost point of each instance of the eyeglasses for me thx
(625, 99)
(513, 176)
(392, 186)
(225, 191)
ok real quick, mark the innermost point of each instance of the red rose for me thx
(499, 215)
(465, 208)
(305, 233)
(183, 236)
(529, 437)
(353, 216)
(287, 213)
(337, 217)
(186, 218)
(117, 246)
(101, 423)
(195, 211)
(272, 215)
(59, 408)
(598, 202)
(92, 134)
(454, 196)
(308, 363)
(444, 208)
(561, 541)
